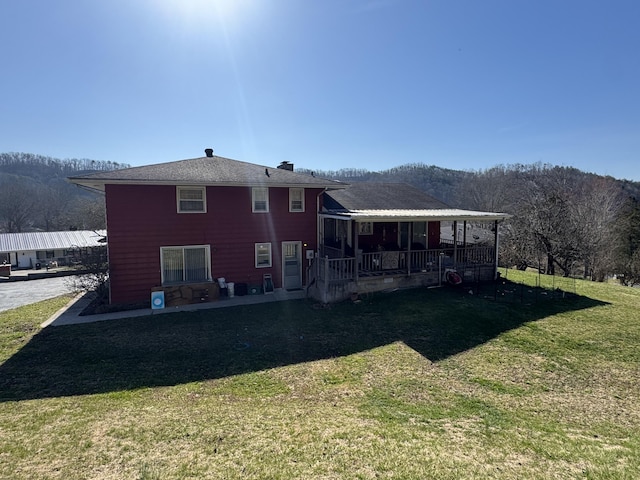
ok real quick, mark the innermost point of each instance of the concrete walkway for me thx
(70, 313)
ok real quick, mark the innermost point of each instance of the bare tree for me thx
(562, 219)
(627, 245)
(93, 267)
(594, 214)
(54, 207)
(89, 213)
(17, 204)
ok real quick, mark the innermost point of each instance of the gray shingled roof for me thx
(380, 196)
(205, 171)
(19, 242)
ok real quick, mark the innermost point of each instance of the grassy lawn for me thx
(415, 384)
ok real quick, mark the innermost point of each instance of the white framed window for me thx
(190, 263)
(260, 199)
(296, 199)
(263, 255)
(191, 199)
(365, 228)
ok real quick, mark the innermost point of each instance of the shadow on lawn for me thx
(184, 347)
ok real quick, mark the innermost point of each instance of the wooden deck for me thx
(337, 277)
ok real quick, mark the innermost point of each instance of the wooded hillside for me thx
(565, 221)
(35, 195)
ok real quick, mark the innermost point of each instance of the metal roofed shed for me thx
(26, 250)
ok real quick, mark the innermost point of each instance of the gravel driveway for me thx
(17, 294)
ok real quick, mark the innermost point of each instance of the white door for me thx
(292, 265)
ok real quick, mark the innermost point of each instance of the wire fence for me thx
(512, 290)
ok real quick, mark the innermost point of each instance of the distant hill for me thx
(442, 183)
(35, 194)
(458, 188)
(46, 170)
(454, 187)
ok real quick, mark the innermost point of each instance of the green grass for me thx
(417, 384)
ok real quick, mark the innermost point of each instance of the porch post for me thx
(356, 269)
(409, 240)
(455, 244)
(320, 235)
(464, 234)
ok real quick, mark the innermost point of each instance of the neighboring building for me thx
(196, 220)
(33, 249)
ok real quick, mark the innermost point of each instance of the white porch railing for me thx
(332, 269)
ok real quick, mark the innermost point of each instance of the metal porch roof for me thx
(444, 214)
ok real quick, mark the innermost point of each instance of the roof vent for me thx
(208, 152)
(286, 166)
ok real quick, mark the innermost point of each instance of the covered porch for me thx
(368, 251)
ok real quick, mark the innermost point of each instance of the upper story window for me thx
(191, 199)
(260, 199)
(296, 199)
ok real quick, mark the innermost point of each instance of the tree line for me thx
(33, 165)
(563, 221)
(35, 195)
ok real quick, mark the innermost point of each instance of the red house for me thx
(183, 224)
(196, 220)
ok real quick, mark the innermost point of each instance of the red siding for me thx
(141, 219)
(384, 236)
(434, 235)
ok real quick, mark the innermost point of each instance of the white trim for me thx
(254, 194)
(207, 249)
(99, 184)
(414, 215)
(365, 228)
(291, 200)
(298, 245)
(270, 253)
(180, 188)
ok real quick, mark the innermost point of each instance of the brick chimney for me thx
(286, 166)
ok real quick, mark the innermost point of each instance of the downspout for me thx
(318, 220)
(318, 239)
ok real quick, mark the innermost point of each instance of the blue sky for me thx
(325, 84)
